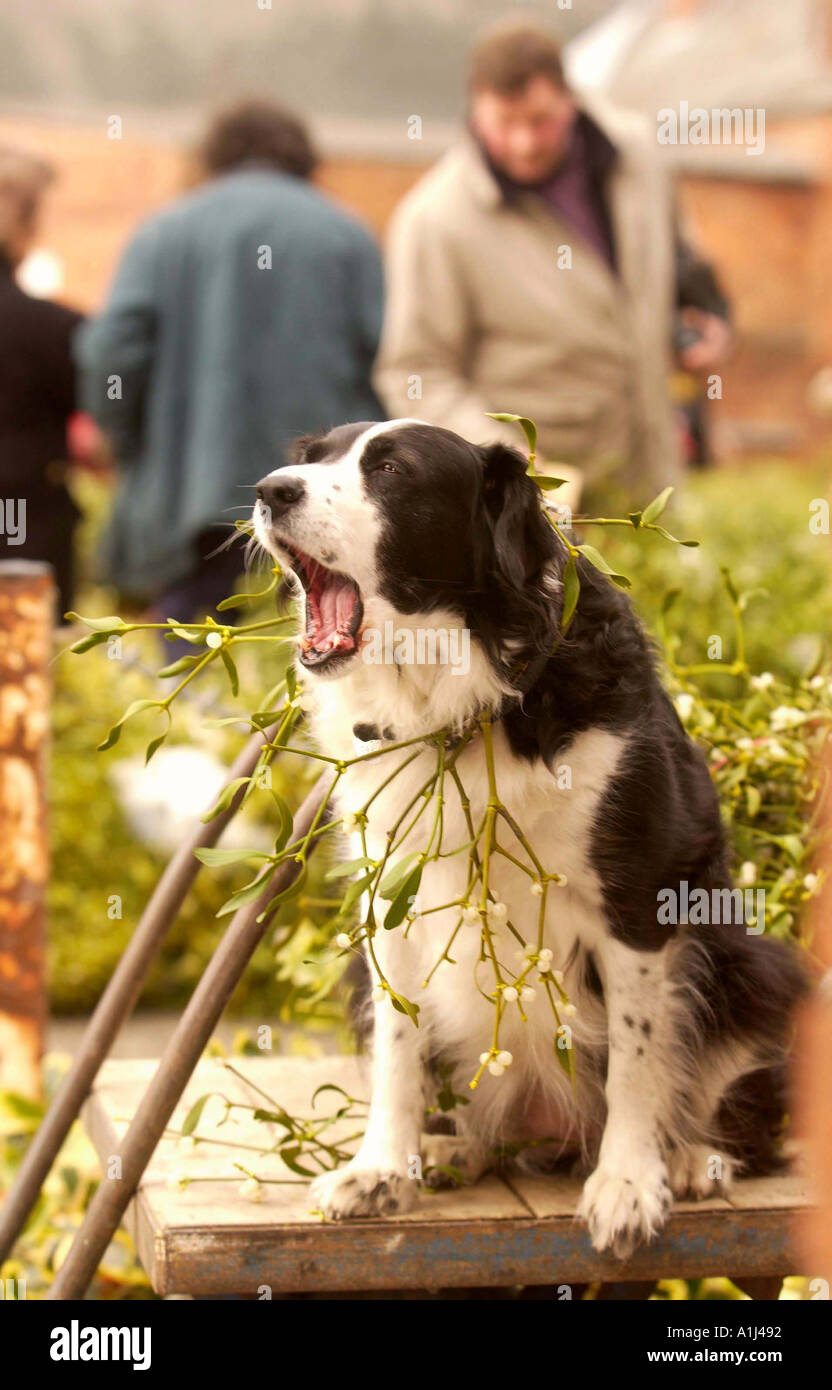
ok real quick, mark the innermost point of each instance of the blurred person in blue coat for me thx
(243, 314)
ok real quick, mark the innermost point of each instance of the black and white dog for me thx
(680, 1031)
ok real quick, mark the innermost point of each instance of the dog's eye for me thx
(388, 467)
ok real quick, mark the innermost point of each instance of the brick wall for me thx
(769, 242)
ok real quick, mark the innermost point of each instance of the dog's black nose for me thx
(278, 494)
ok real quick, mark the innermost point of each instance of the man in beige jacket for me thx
(532, 271)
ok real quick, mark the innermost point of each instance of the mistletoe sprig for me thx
(644, 520)
(391, 889)
(298, 1141)
(767, 748)
(215, 639)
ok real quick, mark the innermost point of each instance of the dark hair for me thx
(23, 179)
(507, 58)
(258, 132)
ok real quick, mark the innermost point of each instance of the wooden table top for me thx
(209, 1238)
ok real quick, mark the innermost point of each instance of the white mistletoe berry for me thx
(343, 941)
(786, 717)
(509, 994)
(252, 1190)
(684, 706)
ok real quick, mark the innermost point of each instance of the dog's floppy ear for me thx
(298, 450)
(522, 537)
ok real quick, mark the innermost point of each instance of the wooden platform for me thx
(209, 1239)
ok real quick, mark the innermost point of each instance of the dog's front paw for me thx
(622, 1208)
(451, 1160)
(353, 1192)
(700, 1171)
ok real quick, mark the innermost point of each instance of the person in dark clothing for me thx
(701, 338)
(37, 390)
(242, 315)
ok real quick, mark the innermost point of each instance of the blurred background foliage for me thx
(60, 1207)
(96, 852)
(754, 519)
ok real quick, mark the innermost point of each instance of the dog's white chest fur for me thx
(555, 810)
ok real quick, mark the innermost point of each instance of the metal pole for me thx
(174, 1071)
(116, 1004)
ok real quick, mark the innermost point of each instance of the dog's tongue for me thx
(336, 608)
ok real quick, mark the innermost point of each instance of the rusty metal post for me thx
(178, 1061)
(116, 1004)
(813, 1079)
(27, 602)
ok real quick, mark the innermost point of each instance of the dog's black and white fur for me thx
(680, 1032)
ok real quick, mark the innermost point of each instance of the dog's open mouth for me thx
(333, 610)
